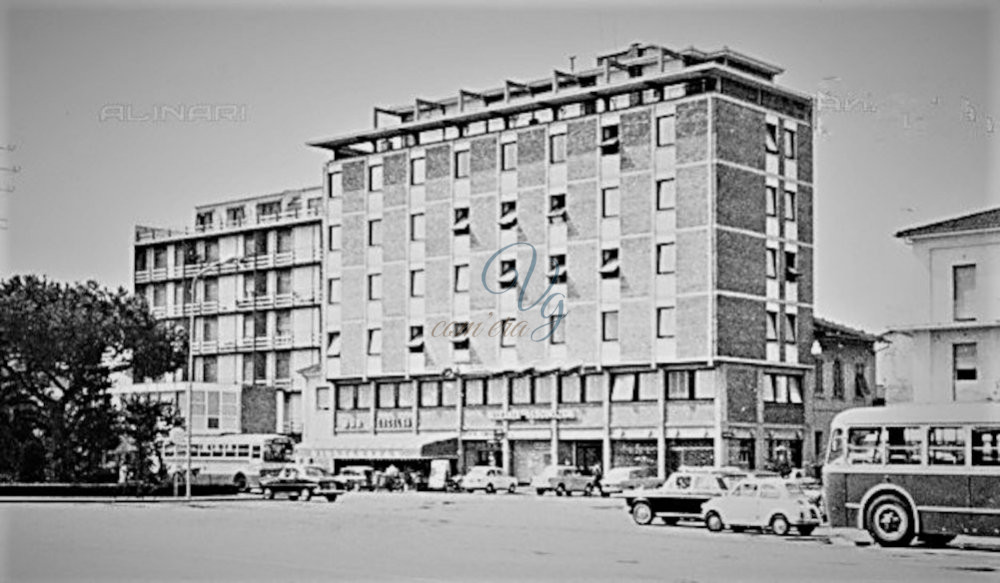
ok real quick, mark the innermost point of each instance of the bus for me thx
(918, 471)
(239, 459)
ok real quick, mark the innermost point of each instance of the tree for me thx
(145, 424)
(59, 346)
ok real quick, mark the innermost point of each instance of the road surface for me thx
(431, 537)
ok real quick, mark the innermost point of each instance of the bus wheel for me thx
(240, 481)
(889, 522)
(936, 540)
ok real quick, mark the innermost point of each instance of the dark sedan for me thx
(301, 483)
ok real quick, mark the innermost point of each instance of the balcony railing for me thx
(143, 234)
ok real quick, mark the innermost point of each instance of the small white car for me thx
(772, 503)
(489, 479)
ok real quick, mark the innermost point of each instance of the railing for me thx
(153, 234)
(292, 427)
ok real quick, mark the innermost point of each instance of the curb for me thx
(123, 500)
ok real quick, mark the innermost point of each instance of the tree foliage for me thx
(145, 424)
(59, 346)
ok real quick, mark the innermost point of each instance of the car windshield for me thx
(316, 471)
(793, 488)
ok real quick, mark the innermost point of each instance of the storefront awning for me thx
(389, 446)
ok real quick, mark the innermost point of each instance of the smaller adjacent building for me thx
(948, 352)
(844, 360)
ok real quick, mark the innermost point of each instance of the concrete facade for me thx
(674, 192)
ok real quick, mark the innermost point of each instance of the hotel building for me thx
(664, 197)
(256, 266)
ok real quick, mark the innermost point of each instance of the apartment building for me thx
(948, 353)
(663, 198)
(249, 273)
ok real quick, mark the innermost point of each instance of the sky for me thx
(907, 101)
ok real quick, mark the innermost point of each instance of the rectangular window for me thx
(838, 379)
(558, 335)
(416, 343)
(966, 362)
(860, 380)
(461, 278)
(335, 241)
(235, 215)
(283, 365)
(609, 140)
(375, 178)
(771, 144)
(160, 295)
(141, 261)
(593, 388)
(335, 183)
(624, 387)
(374, 232)
(333, 344)
(520, 390)
(666, 258)
(771, 200)
(557, 148)
(508, 273)
(666, 194)
(430, 394)
(666, 130)
(210, 369)
(609, 326)
(791, 266)
(283, 281)
(475, 392)
(610, 202)
(160, 258)
(461, 225)
(284, 240)
(610, 268)
(333, 291)
(507, 330)
(986, 446)
(418, 171)
(791, 332)
(495, 389)
(904, 445)
(772, 325)
(508, 156)
(374, 287)
(963, 279)
(259, 366)
(387, 396)
(789, 144)
(462, 164)
(570, 389)
(946, 446)
(508, 214)
(269, 209)
(210, 330)
(283, 323)
(210, 291)
(417, 230)
(557, 206)
(864, 445)
(790, 205)
(322, 398)
(347, 397)
(681, 384)
(374, 341)
(818, 368)
(772, 262)
(666, 322)
(557, 268)
(416, 283)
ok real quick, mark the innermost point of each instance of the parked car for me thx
(300, 482)
(618, 480)
(355, 478)
(681, 496)
(489, 479)
(564, 480)
(771, 503)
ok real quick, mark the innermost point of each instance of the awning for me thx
(391, 446)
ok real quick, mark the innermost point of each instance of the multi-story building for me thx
(844, 377)
(948, 353)
(667, 197)
(249, 273)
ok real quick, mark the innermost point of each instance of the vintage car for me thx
(564, 480)
(618, 480)
(355, 478)
(300, 482)
(766, 503)
(681, 496)
(487, 478)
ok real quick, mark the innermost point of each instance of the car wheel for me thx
(936, 540)
(588, 490)
(779, 525)
(512, 489)
(561, 490)
(642, 513)
(806, 530)
(889, 522)
(490, 489)
(240, 481)
(305, 494)
(268, 494)
(540, 491)
(714, 522)
(331, 498)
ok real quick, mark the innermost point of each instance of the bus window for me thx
(243, 450)
(946, 446)
(255, 452)
(278, 451)
(864, 445)
(904, 445)
(986, 447)
(836, 449)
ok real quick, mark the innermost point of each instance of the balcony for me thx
(292, 427)
(147, 234)
(264, 302)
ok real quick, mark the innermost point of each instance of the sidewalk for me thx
(125, 499)
(859, 538)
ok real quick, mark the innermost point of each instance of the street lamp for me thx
(190, 387)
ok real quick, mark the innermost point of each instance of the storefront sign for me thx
(396, 422)
(532, 415)
(387, 423)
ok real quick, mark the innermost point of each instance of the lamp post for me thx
(189, 421)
